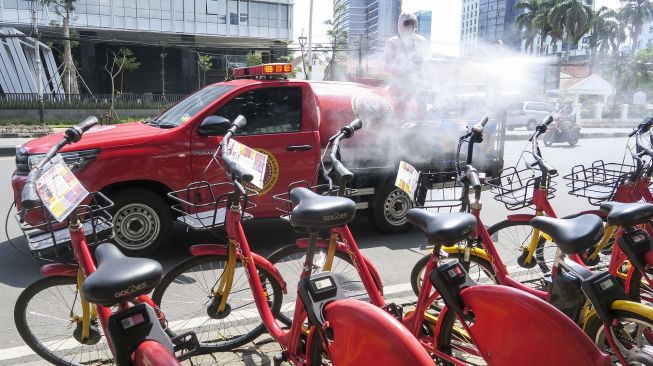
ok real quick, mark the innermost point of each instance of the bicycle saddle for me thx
(314, 211)
(119, 278)
(442, 228)
(571, 235)
(627, 214)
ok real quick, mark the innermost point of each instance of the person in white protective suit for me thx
(405, 56)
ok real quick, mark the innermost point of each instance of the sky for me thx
(445, 26)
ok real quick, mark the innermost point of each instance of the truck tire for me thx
(389, 208)
(142, 221)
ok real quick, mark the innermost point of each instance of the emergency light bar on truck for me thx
(263, 71)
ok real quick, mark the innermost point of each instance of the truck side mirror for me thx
(214, 126)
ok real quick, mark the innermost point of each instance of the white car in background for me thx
(527, 114)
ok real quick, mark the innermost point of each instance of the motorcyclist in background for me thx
(566, 116)
(405, 55)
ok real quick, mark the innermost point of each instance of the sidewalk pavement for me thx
(8, 145)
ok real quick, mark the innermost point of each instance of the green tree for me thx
(114, 66)
(131, 64)
(606, 35)
(204, 64)
(529, 21)
(338, 43)
(642, 69)
(65, 10)
(635, 13)
(289, 59)
(253, 59)
(574, 18)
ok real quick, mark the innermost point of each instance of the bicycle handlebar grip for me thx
(239, 122)
(86, 124)
(484, 121)
(472, 176)
(29, 198)
(546, 166)
(343, 175)
(74, 134)
(237, 170)
(547, 120)
(356, 124)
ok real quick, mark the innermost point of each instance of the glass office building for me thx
(225, 29)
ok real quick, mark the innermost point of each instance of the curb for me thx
(589, 135)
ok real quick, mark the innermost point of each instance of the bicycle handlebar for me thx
(342, 174)
(29, 198)
(472, 176)
(235, 170)
(643, 126)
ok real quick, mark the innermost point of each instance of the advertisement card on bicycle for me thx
(252, 161)
(59, 189)
(407, 177)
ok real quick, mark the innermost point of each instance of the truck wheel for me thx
(389, 208)
(142, 221)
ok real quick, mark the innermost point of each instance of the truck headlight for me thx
(75, 160)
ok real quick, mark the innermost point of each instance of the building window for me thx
(650, 29)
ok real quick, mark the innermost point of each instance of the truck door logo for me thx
(271, 173)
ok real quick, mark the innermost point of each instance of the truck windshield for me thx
(189, 106)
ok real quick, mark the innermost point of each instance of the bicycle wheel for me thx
(454, 341)
(186, 297)
(289, 260)
(511, 240)
(479, 270)
(631, 332)
(48, 316)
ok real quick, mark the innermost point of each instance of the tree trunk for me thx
(542, 39)
(70, 73)
(568, 47)
(113, 97)
(163, 72)
(634, 47)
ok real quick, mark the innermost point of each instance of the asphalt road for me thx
(393, 255)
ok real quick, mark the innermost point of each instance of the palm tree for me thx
(546, 29)
(635, 13)
(606, 35)
(574, 18)
(528, 21)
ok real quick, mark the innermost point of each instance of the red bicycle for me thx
(87, 311)
(452, 336)
(334, 324)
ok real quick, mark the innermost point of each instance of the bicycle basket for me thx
(203, 205)
(285, 205)
(597, 182)
(515, 188)
(49, 239)
(438, 190)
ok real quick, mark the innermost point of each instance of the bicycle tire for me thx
(416, 275)
(447, 338)
(293, 256)
(594, 329)
(63, 285)
(544, 255)
(182, 318)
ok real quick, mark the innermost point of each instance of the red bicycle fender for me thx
(214, 249)
(521, 217)
(512, 326)
(366, 335)
(150, 353)
(59, 269)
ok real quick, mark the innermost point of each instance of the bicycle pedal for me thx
(397, 311)
(278, 359)
(186, 345)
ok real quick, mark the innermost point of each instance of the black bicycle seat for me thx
(314, 211)
(627, 214)
(119, 278)
(442, 228)
(571, 235)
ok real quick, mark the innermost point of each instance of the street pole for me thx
(39, 67)
(310, 41)
(360, 57)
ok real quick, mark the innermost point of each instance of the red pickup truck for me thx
(137, 164)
